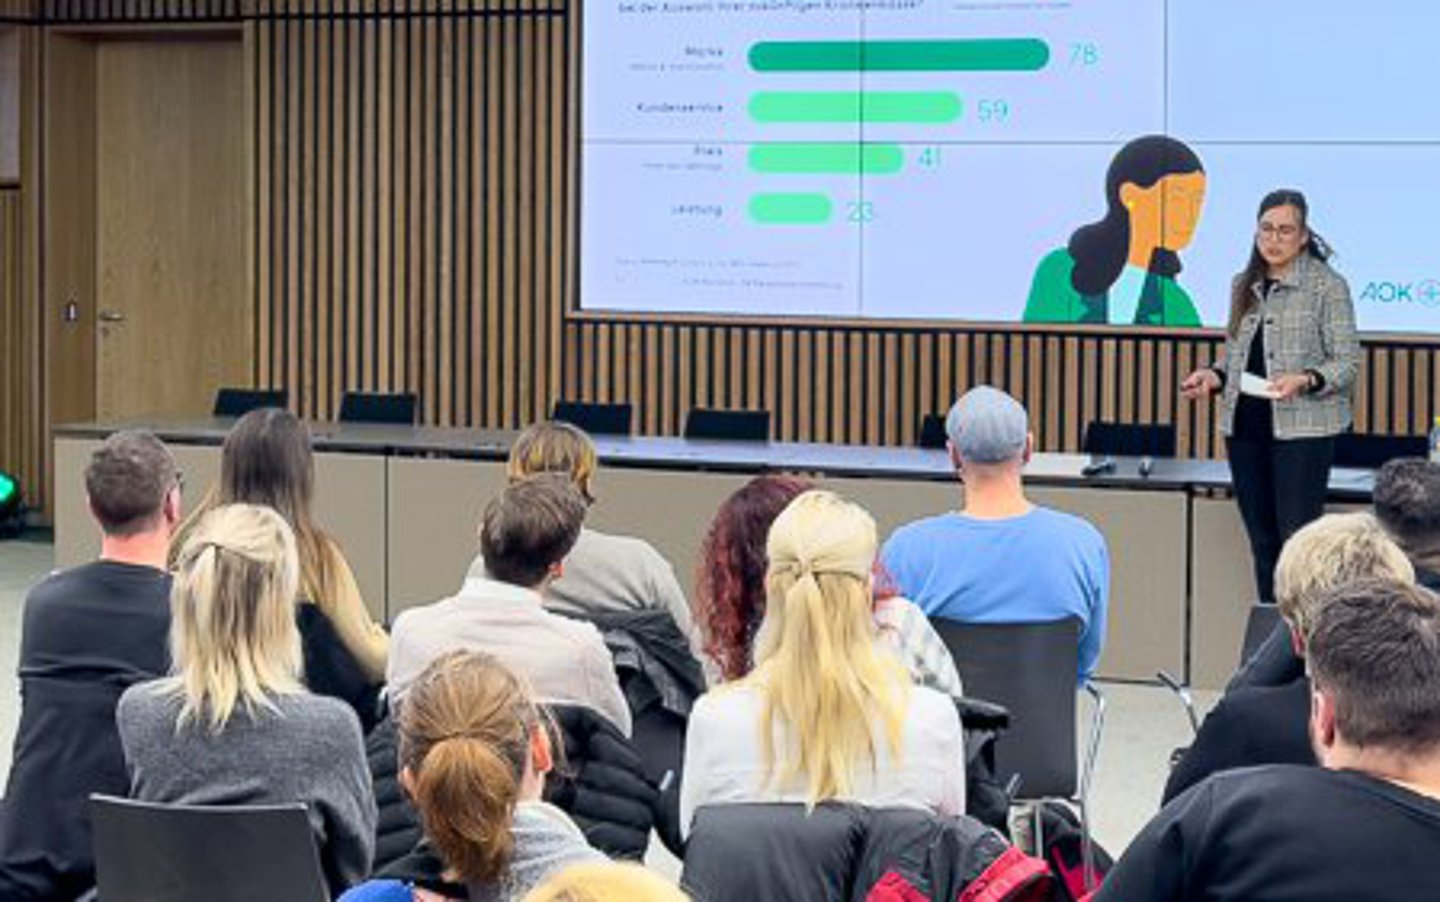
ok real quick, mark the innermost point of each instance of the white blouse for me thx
(724, 762)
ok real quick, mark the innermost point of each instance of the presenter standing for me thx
(1285, 379)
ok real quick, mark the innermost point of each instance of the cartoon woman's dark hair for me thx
(1099, 249)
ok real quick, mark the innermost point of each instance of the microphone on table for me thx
(1147, 464)
(1105, 464)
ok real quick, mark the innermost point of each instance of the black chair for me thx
(1030, 668)
(732, 425)
(236, 402)
(932, 431)
(238, 853)
(1259, 625)
(362, 407)
(1129, 439)
(595, 418)
(1370, 452)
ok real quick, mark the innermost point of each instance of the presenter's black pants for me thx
(1280, 486)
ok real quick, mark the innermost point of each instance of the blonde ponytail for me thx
(823, 681)
(232, 635)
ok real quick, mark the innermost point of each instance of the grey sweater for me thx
(546, 841)
(310, 751)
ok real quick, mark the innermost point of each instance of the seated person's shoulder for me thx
(1070, 526)
(323, 715)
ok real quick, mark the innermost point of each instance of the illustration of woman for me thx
(1121, 270)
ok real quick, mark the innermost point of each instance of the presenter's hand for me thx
(1200, 384)
(1290, 385)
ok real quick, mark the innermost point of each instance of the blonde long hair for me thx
(233, 637)
(606, 881)
(822, 678)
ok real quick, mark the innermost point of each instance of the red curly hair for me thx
(730, 578)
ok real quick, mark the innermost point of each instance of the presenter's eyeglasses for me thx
(1284, 232)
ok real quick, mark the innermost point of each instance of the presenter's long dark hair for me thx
(1099, 249)
(1242, 294)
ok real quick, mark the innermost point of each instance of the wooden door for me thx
(173, 320)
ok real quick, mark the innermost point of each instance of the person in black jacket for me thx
(1363, 825)
(1266, 722)
(598, 780)
(89, 632)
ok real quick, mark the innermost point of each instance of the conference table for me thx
(404, 502)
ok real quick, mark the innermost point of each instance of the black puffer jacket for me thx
(849, 853)
(598, 780)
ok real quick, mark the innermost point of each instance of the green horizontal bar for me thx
(827, 159)
(790, 209)
(922, 107)
(971, 55)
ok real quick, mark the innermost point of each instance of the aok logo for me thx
(1426, 292)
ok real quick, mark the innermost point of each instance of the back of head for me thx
(127, 480)
(1328, 553)
(1374, 648)
(606, 882)
(1407, 502)
(987, 427)
(529, 527)
(465, 729)
(821, 674)
(233, 635)
(267, 460)
(554, 447)
(730, 581)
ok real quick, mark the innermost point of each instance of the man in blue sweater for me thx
(1000, 558)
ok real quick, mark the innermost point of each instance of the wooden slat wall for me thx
(415, 173)
(411, 181)
(22, 430)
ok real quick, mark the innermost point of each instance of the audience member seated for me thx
(235, 725)
(827, 713)
(603, 573)
(267, 460)
(1002, 559)
(607, 882)
(1364, 825)
(88, 633)
(1268, 724)
(1407, 504)
(526, 533)
(730, 591)
(474, 752)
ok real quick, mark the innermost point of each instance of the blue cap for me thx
(987, 426)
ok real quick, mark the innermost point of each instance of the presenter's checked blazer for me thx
(1309, 324)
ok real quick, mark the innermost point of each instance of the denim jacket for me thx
(1309, 324)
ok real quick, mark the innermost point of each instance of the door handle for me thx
(111, 316)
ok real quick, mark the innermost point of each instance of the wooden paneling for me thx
(414, 168)
(171, 225)
(410, 218)
(22, 434)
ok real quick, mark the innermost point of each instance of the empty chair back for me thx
(1371, 452)
(733, 425)
(1263, 620)
(178, 853)
(1030, 669)
(932, 431)
(362, 407)
(595, 418)
(236, 402)
(1129, 439)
